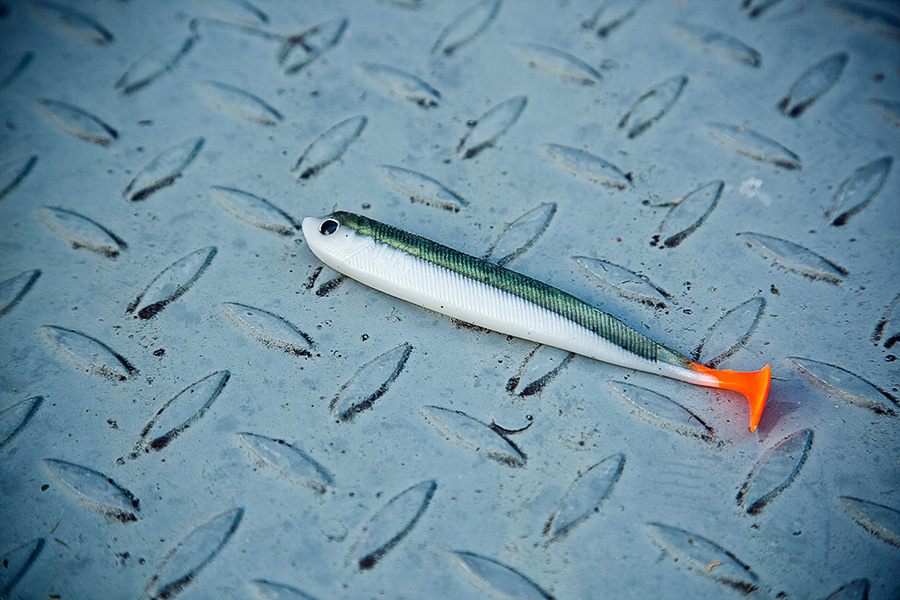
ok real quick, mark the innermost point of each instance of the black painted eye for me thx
(328, 226)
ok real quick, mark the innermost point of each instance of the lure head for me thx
(332, 238)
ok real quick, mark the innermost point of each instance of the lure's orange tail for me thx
(753, 384)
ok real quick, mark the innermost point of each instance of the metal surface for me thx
(192, 406)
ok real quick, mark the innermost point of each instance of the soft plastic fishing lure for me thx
(473, 290)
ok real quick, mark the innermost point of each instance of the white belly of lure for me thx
(409, 267)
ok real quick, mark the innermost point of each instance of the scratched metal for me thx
(191, 405)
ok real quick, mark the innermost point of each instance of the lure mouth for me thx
(753, 385)
(310, 225)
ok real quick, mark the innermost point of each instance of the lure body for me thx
(476, 291)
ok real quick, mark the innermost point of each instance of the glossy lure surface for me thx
(476, 291)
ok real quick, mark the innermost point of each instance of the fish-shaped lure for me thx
(476, 291)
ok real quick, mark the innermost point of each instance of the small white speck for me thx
(750, 188)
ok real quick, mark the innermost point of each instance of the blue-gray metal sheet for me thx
(176, 363)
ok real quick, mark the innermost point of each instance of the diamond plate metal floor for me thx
(191, 405)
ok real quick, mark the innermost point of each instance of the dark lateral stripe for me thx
(527, 288)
